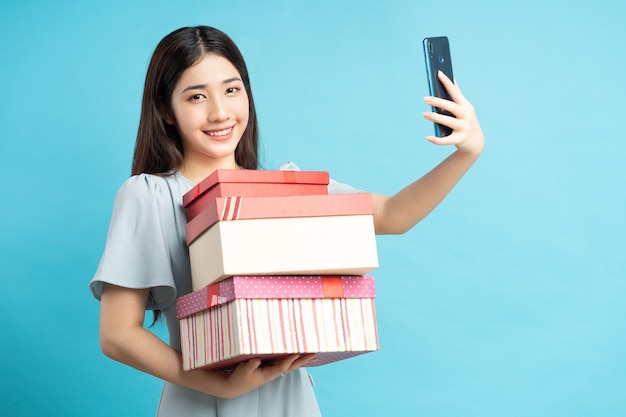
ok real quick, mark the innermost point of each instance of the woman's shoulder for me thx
(143, 183)
(154, 184)
(144, 189)
(139, 187)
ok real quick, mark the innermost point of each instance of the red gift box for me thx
(292, 235)
(253, 183)
(271, 317)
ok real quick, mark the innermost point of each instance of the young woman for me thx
(197, 116)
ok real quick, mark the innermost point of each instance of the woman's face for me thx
(210, 110)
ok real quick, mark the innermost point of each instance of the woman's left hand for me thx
(466, 134)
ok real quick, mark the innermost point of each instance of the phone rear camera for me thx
(441, 59)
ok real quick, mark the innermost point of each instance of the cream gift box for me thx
(270, 317)
(253, 183)
(291, 235)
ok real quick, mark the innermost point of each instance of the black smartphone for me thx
(437, 57)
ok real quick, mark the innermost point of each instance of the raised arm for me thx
(124, 339)
(398, 214)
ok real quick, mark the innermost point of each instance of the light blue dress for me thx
(146, 248)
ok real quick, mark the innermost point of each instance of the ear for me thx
(165, 113)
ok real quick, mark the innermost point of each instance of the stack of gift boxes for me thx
(278, 267)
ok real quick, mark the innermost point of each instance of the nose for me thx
(218, 110)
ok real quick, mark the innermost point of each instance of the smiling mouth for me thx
(218, 133)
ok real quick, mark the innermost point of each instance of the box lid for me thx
(255, 176)
(241, 208)
(265, 287)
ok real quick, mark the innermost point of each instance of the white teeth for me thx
(220, 132)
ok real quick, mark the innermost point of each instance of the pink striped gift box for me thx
(270, 317)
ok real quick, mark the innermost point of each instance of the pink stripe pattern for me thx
(231, 209)
(333, 328)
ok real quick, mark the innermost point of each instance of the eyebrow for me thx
(204, 86)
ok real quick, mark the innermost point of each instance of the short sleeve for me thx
(334, 187)
(136, 254)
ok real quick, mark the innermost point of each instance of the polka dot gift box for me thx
(270, 317)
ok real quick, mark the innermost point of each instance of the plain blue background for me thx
(507, 301)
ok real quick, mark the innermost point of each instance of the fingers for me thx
(252, 374)
(467, 135)
(459, 106)
(293, 362)
(286, 365)
(443, 104)
(442, 119)
(302, 360)
(452, 88)
(446, 140)
(252, 364)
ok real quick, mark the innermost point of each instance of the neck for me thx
(197, 170)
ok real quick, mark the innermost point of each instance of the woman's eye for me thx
(232, 90)
(197, 97)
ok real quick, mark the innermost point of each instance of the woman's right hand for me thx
(250, 375)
